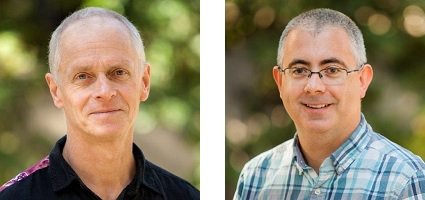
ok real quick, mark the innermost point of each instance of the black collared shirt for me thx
(53, 178)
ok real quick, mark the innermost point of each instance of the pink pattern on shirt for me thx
(40, 165)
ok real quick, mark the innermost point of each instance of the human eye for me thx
(120, 74)
(299, 72)
(82, 76)
(333, 71)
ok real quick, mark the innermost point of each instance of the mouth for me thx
(106, 111)
(317, 106)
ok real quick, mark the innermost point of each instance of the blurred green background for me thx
(167, 128)
(256, 121)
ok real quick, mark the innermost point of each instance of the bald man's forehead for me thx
(95, 29)
(95, 24)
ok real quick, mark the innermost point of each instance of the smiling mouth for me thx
(105, 112)
(317, 106)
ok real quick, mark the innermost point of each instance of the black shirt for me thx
(53, 178)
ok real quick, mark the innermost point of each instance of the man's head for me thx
(327, 41)
(316, 21)
(55, 41)
(98, 73)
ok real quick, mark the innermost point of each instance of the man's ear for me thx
(146, 84)
(366, 76)
(54, 90)
(277, 77)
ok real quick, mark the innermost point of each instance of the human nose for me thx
(314, 83)
(104, 89)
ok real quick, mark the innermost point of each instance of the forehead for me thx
(315, 46)
(95, 30)
(95, 39)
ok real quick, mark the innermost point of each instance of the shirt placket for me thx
(326, 172)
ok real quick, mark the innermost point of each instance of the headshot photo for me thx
(99, 100)
(324, 100)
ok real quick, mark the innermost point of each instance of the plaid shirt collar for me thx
(344, 155)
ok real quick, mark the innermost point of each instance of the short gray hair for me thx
(54, 45)
(316, 20)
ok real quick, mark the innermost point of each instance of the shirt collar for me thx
(352, 147)
(143, 172)
(298, 156)
(62, 175)
(345, 154)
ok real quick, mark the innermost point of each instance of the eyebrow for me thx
(332, 60)
(323, 62)
(298, 61)
(80, 68)
(120, 63)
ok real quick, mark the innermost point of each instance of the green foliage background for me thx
(170, 29)
(394, 105)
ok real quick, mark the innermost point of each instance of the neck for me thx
(315, 151)
(316, 147)
(105, 167)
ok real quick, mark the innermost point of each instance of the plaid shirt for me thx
(366, 166)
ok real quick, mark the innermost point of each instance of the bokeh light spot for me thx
(414, 20)
(264, 17)
(257, 124)
(236, 131)
(15, 59)
(8, 143)
(379, 24)
(232, 13)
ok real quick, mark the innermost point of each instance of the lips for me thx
(317, 106)
(105, 111)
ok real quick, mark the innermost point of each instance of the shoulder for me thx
(273, 159)
(267, 164)
(415, 187)
(173, 185)
(33, 179)
(402, 168)
(263, 168)
(394, 153)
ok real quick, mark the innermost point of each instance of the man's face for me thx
(99, 82)
(313, 105)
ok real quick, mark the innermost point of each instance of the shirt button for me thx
(317, 191)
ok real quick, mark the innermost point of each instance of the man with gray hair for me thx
(98, 76)
(322, 76)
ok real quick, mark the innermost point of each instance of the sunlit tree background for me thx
(394, 32)
(167, 128)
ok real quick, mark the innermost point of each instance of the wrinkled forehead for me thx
(95, 33)
(96, 38)
(101, 27)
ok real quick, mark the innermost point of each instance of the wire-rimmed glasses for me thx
(331, 75)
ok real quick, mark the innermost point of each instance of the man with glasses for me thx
(322, 76)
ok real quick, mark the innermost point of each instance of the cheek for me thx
(348, 96)
(76, 100)
(289, 91)
(131, 95)
(289, 98)
(354, 91)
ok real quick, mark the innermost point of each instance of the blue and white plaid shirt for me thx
(366, 166)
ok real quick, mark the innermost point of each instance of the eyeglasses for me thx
(331, 75)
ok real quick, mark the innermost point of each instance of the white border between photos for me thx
(212, 18)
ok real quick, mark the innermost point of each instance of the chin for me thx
(108, 131)
(317, 126)
(319, 130)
